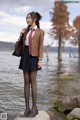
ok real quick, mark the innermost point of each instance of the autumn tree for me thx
(60, 24)
(76, 33)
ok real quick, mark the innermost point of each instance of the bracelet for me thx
(40, 61)
(40, 58)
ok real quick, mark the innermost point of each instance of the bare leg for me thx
(26, 92)
(34, 110)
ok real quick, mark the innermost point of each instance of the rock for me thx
(66, 76)
(51, 114)
(41, 116)
(75, 119)
(78, 99)
(74, 114)
(66, 104)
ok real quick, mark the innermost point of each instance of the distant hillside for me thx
(65, 49)
(6, 46)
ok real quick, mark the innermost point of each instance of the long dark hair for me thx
(34, 15)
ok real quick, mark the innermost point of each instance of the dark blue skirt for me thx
(28, 62)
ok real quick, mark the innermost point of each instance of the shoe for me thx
(33, 113)
(26, 114)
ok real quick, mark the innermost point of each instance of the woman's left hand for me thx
(39, 63)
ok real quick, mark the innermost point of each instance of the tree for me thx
(47, 49)
(48, 46)
(60, 25)
(76, 24)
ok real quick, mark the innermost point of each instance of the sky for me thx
(13, 17)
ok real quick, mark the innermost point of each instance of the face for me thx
(29, 19)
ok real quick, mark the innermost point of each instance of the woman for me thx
(31, 59)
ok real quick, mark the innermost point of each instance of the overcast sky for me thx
(13, 14)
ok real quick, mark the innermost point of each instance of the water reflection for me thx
(78, 66)
(61, 88)
(54, 83)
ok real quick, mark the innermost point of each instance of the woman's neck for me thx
(33, 25)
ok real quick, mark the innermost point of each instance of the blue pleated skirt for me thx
(28, 62)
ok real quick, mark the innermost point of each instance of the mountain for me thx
(6, 46)
(65, 49)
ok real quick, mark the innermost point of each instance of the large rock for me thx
(74, 114)
(66, 104)
(41, 116)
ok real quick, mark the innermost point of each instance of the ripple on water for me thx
(48, 83)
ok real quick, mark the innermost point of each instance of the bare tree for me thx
(47, 49)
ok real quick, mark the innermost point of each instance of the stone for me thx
(51, 114)
(74, 114)
(66, 76)
(42, 115)
(66, 104)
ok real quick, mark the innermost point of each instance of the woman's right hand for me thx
(39, 64)
(22, 32)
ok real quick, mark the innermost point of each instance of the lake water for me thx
(48, 83)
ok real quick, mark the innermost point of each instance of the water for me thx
(48, 83)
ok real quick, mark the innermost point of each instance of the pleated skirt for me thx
(28, 62)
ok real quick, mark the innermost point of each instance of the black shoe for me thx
(33, 113)
(26, 114)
